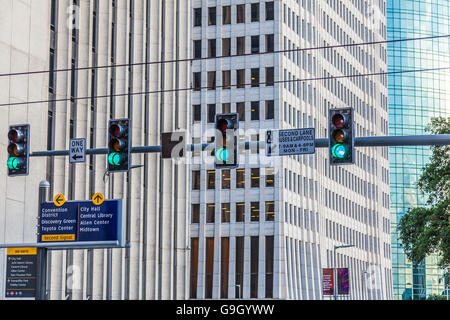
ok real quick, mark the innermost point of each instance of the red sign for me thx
(328, 281)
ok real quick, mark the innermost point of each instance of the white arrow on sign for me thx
(77, 150)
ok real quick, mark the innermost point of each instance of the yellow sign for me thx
(98, 198)
(58, 237)
(21, 251)
(59, 200)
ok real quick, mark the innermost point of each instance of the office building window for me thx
(194, 268)
(240, 178)
(195, 213)
(226, 107)
(226, 47)
(210, 213)
(195, 180)
(270, 43)
(240, 211)
(254, 44)
(240, 109)
(254, 211)
(224, 266)
(240, 13)
(255, 77)
(226, 179)
(255, 178)
(197, 81)
(239, 281)
(270, 177)
(240, 45)
(269, 10)
(240, 78)
(270, 211)
(212, 16)
(211, 177)
(254, 12)
(226, 79)
(209, 267)
(270, 112)
(269, 76)
(226, 212)
(197, 49)
(211, 80)
(254, 263)
(254, 110)
(197, 112)
(197, 17)
(211, 48)
(226, 15)
(211, 113)
(269, 266)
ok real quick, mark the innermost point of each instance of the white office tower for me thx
(269, 227)
(87, 38)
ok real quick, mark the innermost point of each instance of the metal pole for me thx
(41, 292)
(335, 274)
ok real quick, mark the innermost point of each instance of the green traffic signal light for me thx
(13, 163)
(116, 159)
(339, 151)
(222, 154)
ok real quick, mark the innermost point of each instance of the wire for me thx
(216, 87)
(220, 57)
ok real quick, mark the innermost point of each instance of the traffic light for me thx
(18, 150)
(119, 145)
(226, 140)
(341, 135)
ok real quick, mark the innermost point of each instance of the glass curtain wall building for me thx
(414, 98)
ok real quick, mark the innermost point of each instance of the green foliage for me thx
(426, 230)
(436, 297)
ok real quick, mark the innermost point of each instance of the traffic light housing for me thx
(119, 145)
(18, 150)
(226, 140)
(341, 136)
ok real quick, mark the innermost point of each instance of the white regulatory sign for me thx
(77, 150)
(290, 142)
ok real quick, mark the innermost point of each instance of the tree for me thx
(426, 230)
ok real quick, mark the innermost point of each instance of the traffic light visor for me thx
(116, 130)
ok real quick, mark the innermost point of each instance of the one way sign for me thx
(77, 152)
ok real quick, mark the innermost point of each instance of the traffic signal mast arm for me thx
(378, 141)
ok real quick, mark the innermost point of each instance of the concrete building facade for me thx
(98, 54)
(267, 228)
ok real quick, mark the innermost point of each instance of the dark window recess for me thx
(211, 113)
(254, 44)
(240, 13)
(270, 47)
(197, 49)
(197, 81)
(255, 77)
(197, 17)
(269, 10)
(254, 110)
(197, 109)
(255, 12)
(270, 112)
(212, 16)
(269, 76)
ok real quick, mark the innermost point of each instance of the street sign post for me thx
(77, 150)
(80, 223)
(290, 142)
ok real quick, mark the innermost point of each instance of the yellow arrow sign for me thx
(98, 198)
(59, 200)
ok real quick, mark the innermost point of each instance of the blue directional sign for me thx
(81, 221)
